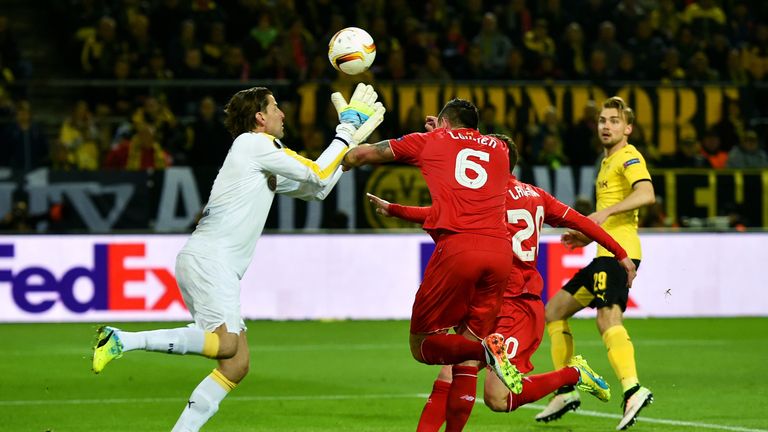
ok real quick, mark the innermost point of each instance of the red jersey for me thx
(466, 173)
(527, 208)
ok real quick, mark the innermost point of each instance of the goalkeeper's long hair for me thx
(242, 108)
(460, 113)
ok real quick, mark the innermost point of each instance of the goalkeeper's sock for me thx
(562, 343)
(461, 397)
(621, 354)
(433, 414)
(536, 387)
(448, 349)
(173, 341)
(204, 402)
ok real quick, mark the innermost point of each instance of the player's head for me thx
(512, 149)
(615, 121)
(254, 110)
(458, 113)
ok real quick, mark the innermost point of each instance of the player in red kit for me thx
(466, 173)
(521, 319)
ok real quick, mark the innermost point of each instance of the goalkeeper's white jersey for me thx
(256, 167)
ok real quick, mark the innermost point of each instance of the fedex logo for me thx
(108, 276)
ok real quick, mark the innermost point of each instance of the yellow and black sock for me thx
(621, 354)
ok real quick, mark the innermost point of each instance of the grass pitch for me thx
(706, 374)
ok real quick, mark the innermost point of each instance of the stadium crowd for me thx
(126, 127)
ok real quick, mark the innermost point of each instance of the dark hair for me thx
(242, 108)
(512, 149)
(460, 113)
(625, 112)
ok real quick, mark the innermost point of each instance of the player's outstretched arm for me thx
(365, 154)
(409, 213)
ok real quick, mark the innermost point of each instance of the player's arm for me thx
(366, 154)
(408, 213)
(284, 162)
(642, 195)
(306, 191)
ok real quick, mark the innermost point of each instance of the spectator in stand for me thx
(140, 152)
(717, 52)
(646, 48)
(598, 67)
(731, 127)
(515, 68)
(156, 68)
(537, 42)
(735, 73)
(627, 70)
(234, 65)
(669, 70)
(550, 126)
(396, 69)
(705, 18)
(688, 155)
(301, 44)
(24, 145)
(515, 20)
(215, 47)
(573, 60)
(756, 53)
(433, 70)
(489, 123)
(494, 46)
(139, 44)
(78, 147)
(699, 71)
(582, 145)
(386, 43)
(665, 19)
(748, 153)
(155, 112)
(453, 46)
(592, 14)
(261, 37)
(185, 39)
(710, 149)
(628, 14)
(740, 24)
(207, 138)
(101, 50)
(686, 44)
(551, 154)
(606, 42)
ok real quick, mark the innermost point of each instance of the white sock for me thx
(172, 341)
(202, 404)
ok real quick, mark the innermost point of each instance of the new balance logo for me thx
(189, 404)
(170, 348)
(468, 398)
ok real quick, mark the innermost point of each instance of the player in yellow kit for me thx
(623, 186)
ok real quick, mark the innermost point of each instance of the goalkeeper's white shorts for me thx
(211, 292)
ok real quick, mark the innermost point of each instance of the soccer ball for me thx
(351, 50)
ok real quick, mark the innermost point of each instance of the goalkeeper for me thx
(211, 264)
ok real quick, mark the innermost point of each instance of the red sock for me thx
(433, 414)
(461, 398)
(536, 387)
(448, 349)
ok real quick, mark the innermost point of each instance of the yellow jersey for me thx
(618, 174)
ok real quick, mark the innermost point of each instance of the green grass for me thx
(359, 376)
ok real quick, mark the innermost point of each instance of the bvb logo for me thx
(396, 184)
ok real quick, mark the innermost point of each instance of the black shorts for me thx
(602, 283)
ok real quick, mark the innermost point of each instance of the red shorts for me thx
(463, 284)
(521, 321)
